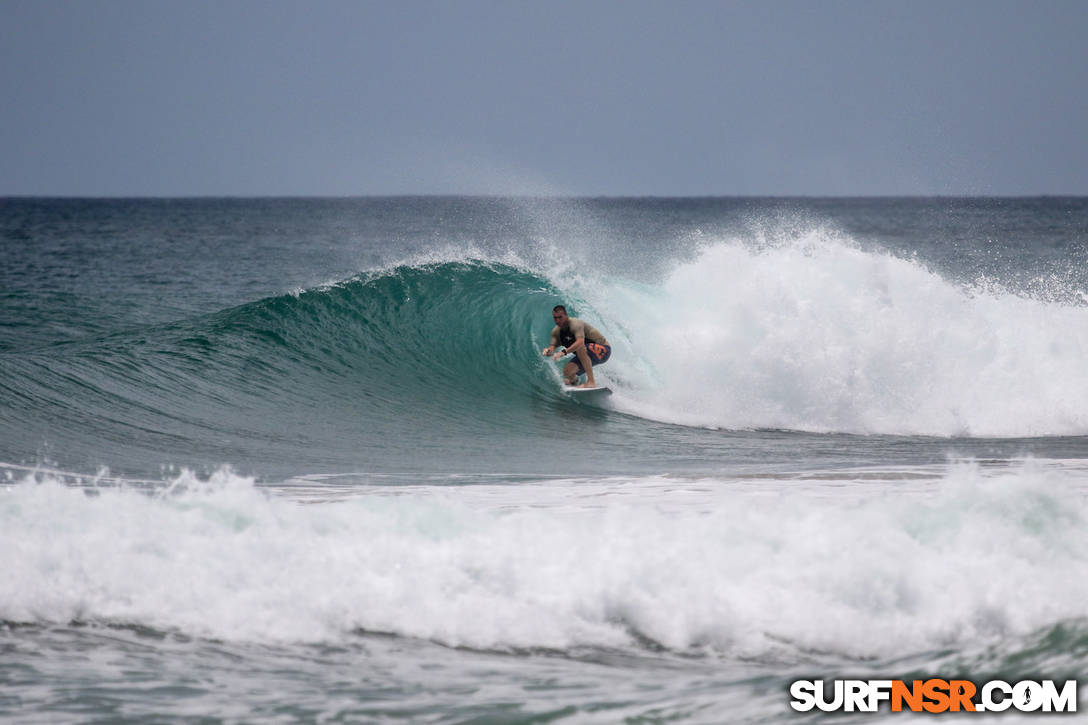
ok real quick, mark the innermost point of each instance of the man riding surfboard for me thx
(583, 340)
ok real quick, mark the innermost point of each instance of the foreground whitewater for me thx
(903, 561)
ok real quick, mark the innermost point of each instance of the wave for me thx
(812, 335)
(749, 574)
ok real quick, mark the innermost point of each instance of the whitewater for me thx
(301, 460)
(710, 565)
(818, 335)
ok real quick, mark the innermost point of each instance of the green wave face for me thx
(371, 371)
(467, 326)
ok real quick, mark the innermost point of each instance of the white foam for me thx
(818, 335)
(712, 563)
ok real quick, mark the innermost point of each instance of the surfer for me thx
(588, 346)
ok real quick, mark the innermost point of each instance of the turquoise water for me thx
(301, 459)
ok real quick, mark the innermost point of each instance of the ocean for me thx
(301, 460)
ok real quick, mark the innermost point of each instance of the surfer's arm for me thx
(554, 342)
(573, 347)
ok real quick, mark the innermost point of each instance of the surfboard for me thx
(601, 391)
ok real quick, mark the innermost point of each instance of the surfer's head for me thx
(559, 314)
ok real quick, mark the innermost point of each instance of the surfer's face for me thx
(560, 318)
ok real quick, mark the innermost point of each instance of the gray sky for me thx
(152, 98)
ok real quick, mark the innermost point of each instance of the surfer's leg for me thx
(586, 365)
(570, 373)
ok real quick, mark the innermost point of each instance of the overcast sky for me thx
(182, 98)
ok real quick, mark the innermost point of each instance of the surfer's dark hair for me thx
(559, 307)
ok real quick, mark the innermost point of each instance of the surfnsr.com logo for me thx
(933, 696)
